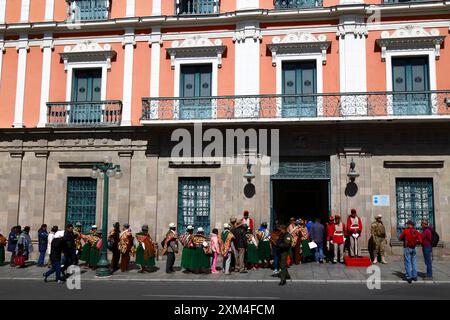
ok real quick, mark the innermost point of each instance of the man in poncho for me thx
(263, 245)
(227, 238)
(170, 247)
(188, 249)
(145, 250)
(113, 246)
(125, 246)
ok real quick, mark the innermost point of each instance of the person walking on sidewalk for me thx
(354, 229)
(42, 242)
(283, 244)
(55, 257)
(378, 232)
(50, 238)
(410, 238)
(427, 248)
(13, 237)
(227, 238)
(170, 247)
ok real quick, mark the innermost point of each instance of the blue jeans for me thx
(41, 259)
(410, 263)
(56, 268)
(427, 251)
(319, 251)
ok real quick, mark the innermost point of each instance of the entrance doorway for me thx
(300, 198)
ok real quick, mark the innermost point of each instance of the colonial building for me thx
(357, 89)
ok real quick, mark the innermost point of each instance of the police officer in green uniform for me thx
(282, 245)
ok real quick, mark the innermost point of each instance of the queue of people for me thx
(237, 248)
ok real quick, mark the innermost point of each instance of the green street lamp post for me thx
(105, 171)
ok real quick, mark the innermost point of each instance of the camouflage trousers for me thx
(379, 244)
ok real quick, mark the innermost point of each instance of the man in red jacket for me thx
(354, 229)
(247, 220)
(338, 238)
(410, 238)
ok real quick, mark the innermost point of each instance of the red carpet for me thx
(357, 262)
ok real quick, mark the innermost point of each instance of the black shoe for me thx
(414, 279)
(282, 283)
(409, 280)
(276, 275)
(45, 277)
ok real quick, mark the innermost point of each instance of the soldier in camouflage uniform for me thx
(378, 232)
(283, 245)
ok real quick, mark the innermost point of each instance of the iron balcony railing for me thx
(196, 7)
(88, 10)
(296, 4)
(95, 113)
(308, 106)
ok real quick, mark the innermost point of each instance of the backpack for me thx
(434, 238)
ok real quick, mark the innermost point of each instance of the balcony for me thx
(88, 10)
(84, 114)
(197, 7)
(329, 106)
(296, 4)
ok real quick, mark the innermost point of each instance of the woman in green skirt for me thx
(188, 249)
(2, 249)
(262, 236)
(304, 238)
(201, 262)
(145, 250)
(252, 250)
(94, 254)
(89, 241)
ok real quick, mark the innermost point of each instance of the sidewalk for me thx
(308, 273)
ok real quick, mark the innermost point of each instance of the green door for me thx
(194, 196)
(86, 93)
(414, 202)
(195, 83)
(81, 201)
(411, 75)
(299, 78)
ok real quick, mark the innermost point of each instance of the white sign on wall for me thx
(381, 200)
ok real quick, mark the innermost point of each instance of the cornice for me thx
(259, 15)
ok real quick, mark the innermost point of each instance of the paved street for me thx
(104, 289)
(309, 281)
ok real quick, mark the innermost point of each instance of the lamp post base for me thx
(103, 268)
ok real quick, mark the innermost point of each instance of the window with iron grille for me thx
(81, 201)
(86, 10)
(414, 202)
(197, 6)
(194, 203)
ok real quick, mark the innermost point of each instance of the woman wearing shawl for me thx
(88, 241)
(252, 250)
(304, 238)
(188, 249)
(262, 236)
(145, 250)
(24, 247)
(201, 262)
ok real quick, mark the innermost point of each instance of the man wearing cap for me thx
(188, 249)
(145, 250)
(411, 238)
(170, 247)
(247, 220)
(354, 229)
(226, 250)
(125, 246)
(338, 233)
(329, 233)
(113, 245)
(378, 233)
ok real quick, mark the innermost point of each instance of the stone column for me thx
(22, 49)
